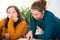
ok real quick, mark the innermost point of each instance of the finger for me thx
(31, 37)
(27, 38)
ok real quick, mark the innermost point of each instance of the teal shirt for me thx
(50, 24)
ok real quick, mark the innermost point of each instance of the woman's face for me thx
(11, 13)
(36, 14)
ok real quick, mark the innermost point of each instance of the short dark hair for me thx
(39, 5)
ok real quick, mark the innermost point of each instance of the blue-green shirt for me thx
(49, 24)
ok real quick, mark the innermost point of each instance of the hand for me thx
(7, 36)
(15, 19)
(29, 35)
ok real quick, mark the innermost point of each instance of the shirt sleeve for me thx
(2, 23)
(32, 25)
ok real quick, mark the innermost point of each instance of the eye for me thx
(8, 12)
(36, 14)
(13, 11)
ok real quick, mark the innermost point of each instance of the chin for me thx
(37, 19)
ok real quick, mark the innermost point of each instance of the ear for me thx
(43, 12)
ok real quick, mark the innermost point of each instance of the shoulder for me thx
(3, 20)
(49, 13)
(49, 16)
(23, 22)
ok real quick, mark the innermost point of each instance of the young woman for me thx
(46, 20)
(13, 26)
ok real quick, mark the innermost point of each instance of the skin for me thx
(11, 13)
(37, 14)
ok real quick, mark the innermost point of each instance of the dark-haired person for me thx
(45, 19)
(13, 26)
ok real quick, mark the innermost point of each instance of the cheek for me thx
(15, 15)
(39, 15)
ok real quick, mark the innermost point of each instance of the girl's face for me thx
(36, 14)
(11, 13)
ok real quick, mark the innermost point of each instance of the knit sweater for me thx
(50, 24)
(14, 33)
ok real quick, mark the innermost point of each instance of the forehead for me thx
(12, 8)
(35, 11)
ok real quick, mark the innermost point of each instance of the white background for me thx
(52, 5)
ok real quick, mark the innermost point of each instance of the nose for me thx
(11, 15)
